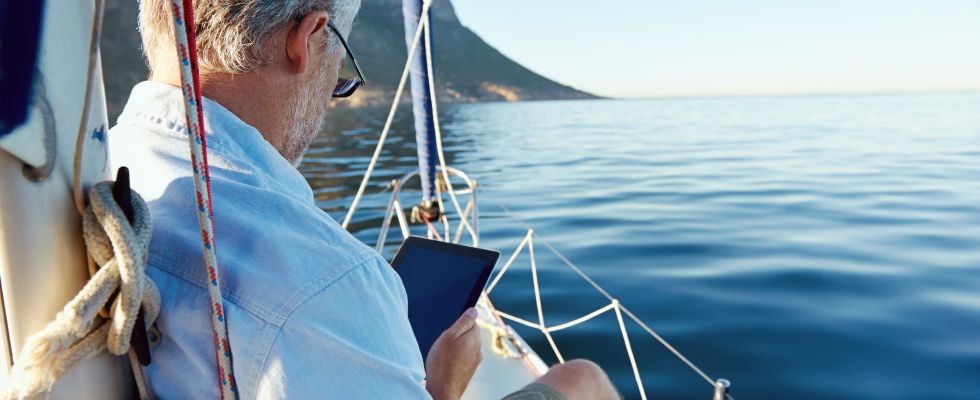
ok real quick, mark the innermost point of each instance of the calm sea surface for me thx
(823, 247)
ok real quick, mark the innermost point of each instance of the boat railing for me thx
(470, 213)
(469, 220)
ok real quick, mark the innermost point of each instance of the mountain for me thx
(467, 69)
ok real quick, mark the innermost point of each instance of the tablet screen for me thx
(441, 281)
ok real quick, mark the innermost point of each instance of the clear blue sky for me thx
(654, 48)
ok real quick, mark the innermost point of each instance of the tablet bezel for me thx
(489, 256)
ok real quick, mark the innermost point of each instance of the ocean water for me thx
(813, 247)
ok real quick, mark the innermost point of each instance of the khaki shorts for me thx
(536, 391)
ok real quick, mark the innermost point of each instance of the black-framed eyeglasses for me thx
(346, 86)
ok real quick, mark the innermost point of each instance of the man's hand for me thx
(453, 359)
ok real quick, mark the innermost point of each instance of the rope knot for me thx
(121, 251)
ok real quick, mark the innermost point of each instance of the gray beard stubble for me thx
(308, 107)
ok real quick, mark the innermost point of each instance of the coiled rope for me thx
(121, 250)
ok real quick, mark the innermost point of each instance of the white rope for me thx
(423, 26)
(93, 58)
(402, 221)
(548, 245)
(442, 214)
(459, 229)
(667, 345)
(424, 23)
(435, 124)
(141, 385)
(518, 320)
(629, 350)
(583, 319)
(595, 285)
(537, 300)
(511, 260)
(391, 117)
(470, 206)
(121, 250)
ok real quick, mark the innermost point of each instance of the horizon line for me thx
(706, 96)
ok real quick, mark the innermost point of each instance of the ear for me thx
(303, 40)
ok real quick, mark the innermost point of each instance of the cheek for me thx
(330, 74)
(329, 83)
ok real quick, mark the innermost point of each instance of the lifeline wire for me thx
(595, 285)
(464, 223)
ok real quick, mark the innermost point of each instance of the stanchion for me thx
(721, 389)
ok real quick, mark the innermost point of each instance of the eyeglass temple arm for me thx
(349, 53)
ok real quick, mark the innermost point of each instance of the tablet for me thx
(441, 280)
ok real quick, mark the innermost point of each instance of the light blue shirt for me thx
(312, 313)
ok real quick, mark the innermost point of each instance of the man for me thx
(311, 312)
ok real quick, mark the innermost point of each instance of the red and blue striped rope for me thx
(184, 33)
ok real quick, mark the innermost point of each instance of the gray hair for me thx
(232, 34)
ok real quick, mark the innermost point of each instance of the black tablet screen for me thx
(440, 286)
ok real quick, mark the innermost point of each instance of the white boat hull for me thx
(42, 255)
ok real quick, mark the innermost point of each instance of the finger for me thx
(471, 339)
(465, 322)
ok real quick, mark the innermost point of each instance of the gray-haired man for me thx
(311, 312)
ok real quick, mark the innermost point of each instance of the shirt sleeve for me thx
(352, 340)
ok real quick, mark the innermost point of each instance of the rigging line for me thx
(645, 327)
(548, 245)
(442, 213)
(383, 235)
(466, 214)
(537, 299)
(553, 345)
(667, 345)
(391, 117)
(438, 131)
(431, 228)
(93, 58)
(400, 214)
(375, 196)
(515, 319)
(510, 261)
(583, 319)
(629, 350)
(186, 49)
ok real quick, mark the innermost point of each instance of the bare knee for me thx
(580, 370)
(580, 379)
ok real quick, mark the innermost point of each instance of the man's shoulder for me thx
(272, 278)
(151, 137)
(273, 249)
(274, 246)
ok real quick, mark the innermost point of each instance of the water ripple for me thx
(806, 247)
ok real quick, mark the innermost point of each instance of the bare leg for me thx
(580, 380)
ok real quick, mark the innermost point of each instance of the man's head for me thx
(273, 63)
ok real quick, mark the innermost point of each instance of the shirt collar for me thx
(162, 104)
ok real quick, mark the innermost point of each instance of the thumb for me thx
(465, 322)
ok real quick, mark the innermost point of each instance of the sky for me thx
(669, 48)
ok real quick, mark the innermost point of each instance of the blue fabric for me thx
(311, 312)
(20, 39)
(425, 129)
